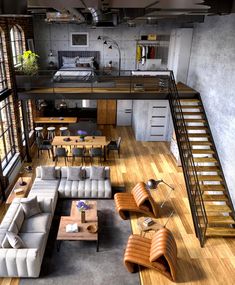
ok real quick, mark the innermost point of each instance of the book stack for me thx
(72, 228)
(19, 191)
(148, 222)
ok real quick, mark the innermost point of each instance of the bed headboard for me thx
(81, 53)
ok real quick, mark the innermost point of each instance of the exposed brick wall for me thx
(26, 24)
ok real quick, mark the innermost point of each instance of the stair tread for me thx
(194, 120)
(220, 220)
(190, 100)
(209, 178)
(191, 106)
(207, 169)
(202, 151)
(198, 135)
(208, 198)
(200, 143)
(204, 159)
(195, 128)
(220, 231)
(218, 187)
(218, 208)
(191, 113)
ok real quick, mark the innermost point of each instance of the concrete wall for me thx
(212, 73)
(60, 40)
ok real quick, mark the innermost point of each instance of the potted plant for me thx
(82, 134)
(82, 206)
(29, 65)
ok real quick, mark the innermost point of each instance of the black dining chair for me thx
(61, 152)
(44, 145)
(96, 152)
(114, 145)
(78, 152)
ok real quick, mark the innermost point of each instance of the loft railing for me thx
(190, 174)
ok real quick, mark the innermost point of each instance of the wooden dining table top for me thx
(75, 141)
(55, 120)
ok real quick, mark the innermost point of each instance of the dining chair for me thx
(78, 152)
(114, 145)
(61, 152)
(43, 145)
(96, 152)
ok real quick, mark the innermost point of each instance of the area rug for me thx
(78, 263)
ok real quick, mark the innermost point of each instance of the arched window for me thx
(3, 77)
(16, 34)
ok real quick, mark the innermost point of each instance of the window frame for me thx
(3, 71)
(17, 43)
(7, 131)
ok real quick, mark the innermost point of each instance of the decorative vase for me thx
(83, 216)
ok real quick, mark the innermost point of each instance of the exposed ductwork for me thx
(13, 8)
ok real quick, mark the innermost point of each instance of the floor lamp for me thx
(112, 43)
(153, 184)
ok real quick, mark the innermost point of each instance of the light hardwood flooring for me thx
(211, 265)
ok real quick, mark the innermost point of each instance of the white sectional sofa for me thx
(34, 231)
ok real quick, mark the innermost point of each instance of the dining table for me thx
(55, 120)
(77, 141)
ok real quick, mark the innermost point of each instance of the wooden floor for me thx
(213, 264)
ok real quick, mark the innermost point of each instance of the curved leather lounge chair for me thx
(158, 253)
(139, 200)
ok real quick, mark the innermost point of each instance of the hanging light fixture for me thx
(51, 57)
(110, 47)
(63, 104)
(41, 104)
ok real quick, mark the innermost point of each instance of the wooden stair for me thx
(217, 204)
(220, 232)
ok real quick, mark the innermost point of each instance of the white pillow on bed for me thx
(69, 61)
(82, 60)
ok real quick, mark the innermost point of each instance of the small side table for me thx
(25, 189)
(154, 227)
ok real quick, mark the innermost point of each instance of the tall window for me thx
(29, 119)
(3, 77)
(16, 35)
(7, 141)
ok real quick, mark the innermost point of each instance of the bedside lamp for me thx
(153, 184)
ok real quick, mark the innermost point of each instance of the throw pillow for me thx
(75, 173)
(14, 240)
(48, 173)
(97, 173)
(30, 207)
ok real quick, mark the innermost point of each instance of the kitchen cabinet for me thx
(124, 112)
(106, 112)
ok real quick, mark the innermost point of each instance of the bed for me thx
(76, 66)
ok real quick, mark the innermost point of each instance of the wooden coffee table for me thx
(75, 217)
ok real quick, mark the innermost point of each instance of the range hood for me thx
(13, 8)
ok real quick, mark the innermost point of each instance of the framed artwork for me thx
(79, 39)
(30, 44)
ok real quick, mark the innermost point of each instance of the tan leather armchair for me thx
(158, 253)
(139, 200)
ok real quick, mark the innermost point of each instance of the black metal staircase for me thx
(210, 202)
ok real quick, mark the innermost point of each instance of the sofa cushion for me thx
(85, 188)
(75, 173)
(37, 224)
(48, 173)
(30, 207)
(14, 240)
(39, 172)
(19, 219)
(34, 240)
(97, 173)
